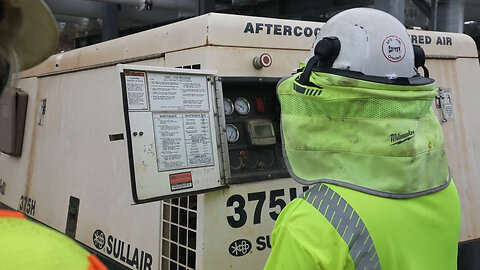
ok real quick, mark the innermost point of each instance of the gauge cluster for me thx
(241, 106)
(252, 115)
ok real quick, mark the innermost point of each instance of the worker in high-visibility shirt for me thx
(27, 245)
(358, 127)
(28, 35)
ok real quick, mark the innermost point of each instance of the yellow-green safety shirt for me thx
(26, 245)
(381, 195)
(418, 233)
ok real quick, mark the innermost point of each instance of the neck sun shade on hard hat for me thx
(336, 131)
(363, 119)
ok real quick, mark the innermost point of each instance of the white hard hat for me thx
(27, 29)
(371, 42)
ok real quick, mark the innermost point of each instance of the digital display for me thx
(262, 131)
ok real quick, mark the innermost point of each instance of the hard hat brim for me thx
(36, 37)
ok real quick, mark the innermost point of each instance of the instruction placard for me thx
(136, 90)
(182, 140)
(174, 134)
(177, 92)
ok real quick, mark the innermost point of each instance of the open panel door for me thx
(175, 130)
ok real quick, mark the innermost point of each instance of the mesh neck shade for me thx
(382, 139)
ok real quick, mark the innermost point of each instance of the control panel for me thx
(252, 114)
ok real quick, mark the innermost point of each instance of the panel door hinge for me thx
(221, 131)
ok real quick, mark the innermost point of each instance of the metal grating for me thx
(179, 233)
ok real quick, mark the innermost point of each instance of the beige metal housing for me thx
(67, 152)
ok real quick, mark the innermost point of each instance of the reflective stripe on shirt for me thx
(347, 223)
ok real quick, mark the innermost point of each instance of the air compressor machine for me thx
(162, 149)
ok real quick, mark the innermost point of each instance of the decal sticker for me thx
(271, 203)
(99, 239)
(425, 39)
(444, 101)
(177, 93)
(393, 49)
(123, 251)
(240, 247)
(27, 205)
(263, 242)
(183, 140)
(3, 186)
(179, 181)
(136, 90)
(280, 29)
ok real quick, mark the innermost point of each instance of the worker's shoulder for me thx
(303, 224)
(39, 235)
(299, 213)
(361, 200)
(47, 248)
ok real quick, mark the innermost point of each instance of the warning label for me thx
(446, 103)
(183, 140)
(136, 90)
(175, 92)
(179, 181)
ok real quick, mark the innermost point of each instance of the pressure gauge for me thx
(232, 133)
(228, 106)
(236, 160)
(242, 106)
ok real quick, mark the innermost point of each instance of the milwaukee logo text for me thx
(398, 138)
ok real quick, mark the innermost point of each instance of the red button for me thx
(266, 59)
(259, 105)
